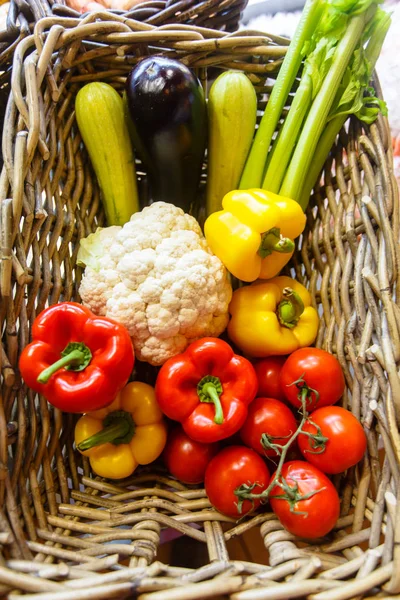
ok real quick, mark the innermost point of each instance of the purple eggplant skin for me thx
(168, 115)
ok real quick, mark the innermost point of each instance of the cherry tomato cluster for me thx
(293, 429)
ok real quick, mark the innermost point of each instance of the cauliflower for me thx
(157, 276)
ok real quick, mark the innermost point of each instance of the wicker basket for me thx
(56, 518)
(223, 15)
(217, 14)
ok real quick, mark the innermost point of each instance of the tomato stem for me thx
(301, 385)
(268, 444)
(292, 495)
(317, 440)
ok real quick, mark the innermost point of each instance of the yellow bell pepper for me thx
(127, 433)
(272, 317)
(253, 234)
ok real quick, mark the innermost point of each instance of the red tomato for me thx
(228, 470)
(320, 511)
(186, 459)
(270, 417)
(346, 443)
(268, 371)
(320, 371)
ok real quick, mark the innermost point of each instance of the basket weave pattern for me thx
(223, 15)
(216, 14)
(56, 518)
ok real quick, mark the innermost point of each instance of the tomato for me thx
(186, 459)
(320, 371)
(270, 417)
(320, 511)
(346, 442)
(268, 371)
(228, 470)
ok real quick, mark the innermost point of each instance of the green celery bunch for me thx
(336, 46)
(356, 97)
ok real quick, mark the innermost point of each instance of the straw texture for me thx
(223, 15)
(56, 519)
(218, 14)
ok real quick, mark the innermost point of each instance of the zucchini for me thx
(100, 115)
(232, 113)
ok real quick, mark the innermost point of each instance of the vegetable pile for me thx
(241, 400)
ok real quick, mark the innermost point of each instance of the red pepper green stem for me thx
(290, 308)
(273, 241)
(75, 357)
(119, 428)
(209, 389)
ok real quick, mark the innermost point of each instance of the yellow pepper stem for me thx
(273, 241)
(290, 308)
(209, 390)
(118, 428)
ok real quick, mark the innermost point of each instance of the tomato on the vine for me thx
(338, 441)
(306, 503)
(314, 372)
(227, 471)
(268, 422)
(268, 371)
(186, 459)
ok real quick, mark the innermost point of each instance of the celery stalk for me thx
(254, 167)
(320, 155)
(381, 26)
(332, 129)
(316, 66)
(318, 114)
(282, 150)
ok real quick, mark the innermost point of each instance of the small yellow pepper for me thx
(272, 317)
(253, 236)
(127, 433)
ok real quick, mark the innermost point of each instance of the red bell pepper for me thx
(208, 389)
(77, 361)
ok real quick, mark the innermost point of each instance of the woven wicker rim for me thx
(216, 14)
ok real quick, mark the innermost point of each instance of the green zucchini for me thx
(100, 115)
(232, 111)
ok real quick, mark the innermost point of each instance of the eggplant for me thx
(168, 126)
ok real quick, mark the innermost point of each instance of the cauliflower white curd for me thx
(157, 276)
